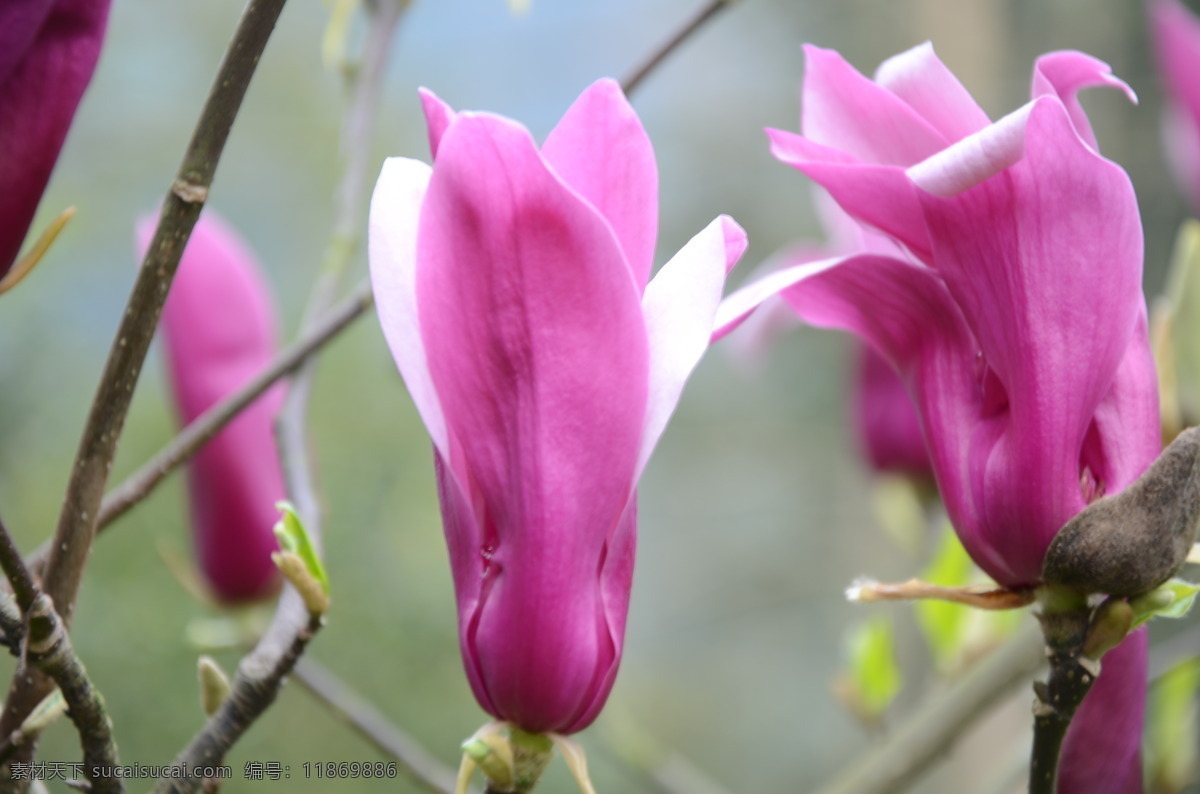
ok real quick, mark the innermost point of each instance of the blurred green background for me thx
(754, 509)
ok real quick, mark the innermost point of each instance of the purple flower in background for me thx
(218, 327)
(48, 50)
(888, 428)
(511, 284)
(1176, 38)
(1015, 318)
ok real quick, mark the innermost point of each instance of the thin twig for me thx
(705, 13)
(358, 123)
(900, 759)
(48, 649)
(13, 565)
(260, 675)
(360, 715)
(259, 678)
(192, 438)
(98, 444)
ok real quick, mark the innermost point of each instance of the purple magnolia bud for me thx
(48, 51)
(218, 327)
(511, 284)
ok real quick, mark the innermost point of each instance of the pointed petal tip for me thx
(736, 241)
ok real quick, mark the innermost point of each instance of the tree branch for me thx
(900, 759)
(259, 678)
(48, 648)
(705, 13)
(260, 675)
(360, 715)
(97, 447)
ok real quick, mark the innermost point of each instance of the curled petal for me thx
(1064, 74)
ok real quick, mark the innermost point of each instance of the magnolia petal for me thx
(880, 196)
(438, 118)
(1102, 751)
(736, 308)
(392, 251)
(602, 151)
(1064, 74)
(40, 88)
(219, 330)
(920, 78)
(1025, 308)
(844, 109)
(905, 313)
(20, 23)
(470, 567)
(1126, 435)
(616, 583)
(679, 306)
(975, 158)
(1176, 35)
(889, 429)
(536, 345)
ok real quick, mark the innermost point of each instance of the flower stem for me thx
(1071, 677)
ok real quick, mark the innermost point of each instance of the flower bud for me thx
(1130, 543)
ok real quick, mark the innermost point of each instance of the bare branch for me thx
(98, 445)
(705, 13)
(899, 760)
(360, 715)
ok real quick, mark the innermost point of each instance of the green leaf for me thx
(898, 509)
(1172, 728)
(873, 670)
(1172, 600)
(292, 537)
(945, 624)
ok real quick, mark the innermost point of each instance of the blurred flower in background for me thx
(511, 284)
(48, 50)
(219, 329)
(1176, 38)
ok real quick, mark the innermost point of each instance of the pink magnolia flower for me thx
(888, 428)
(218, 327)
(1015, 319)
(1176, 38)
(511, 284)
(48, 50)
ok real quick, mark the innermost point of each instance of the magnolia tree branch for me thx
(48, 648)
(98, 445)
(364, 718)
(899, 760)
(348, 220)
(259, 678)
(702, 15)
(260, 675)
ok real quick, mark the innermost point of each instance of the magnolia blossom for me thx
(48, 50)
(511, 284)
(1014, 316)
(218, 326)
(1176, 35)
